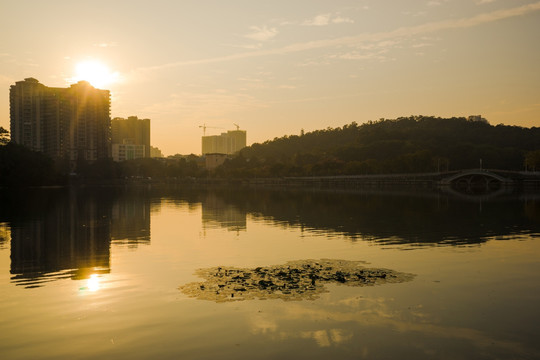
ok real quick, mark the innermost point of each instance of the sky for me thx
(276, 67)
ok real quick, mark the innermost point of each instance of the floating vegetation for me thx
(295, 280)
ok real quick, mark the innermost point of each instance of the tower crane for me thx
(203, 126)
(237, 126)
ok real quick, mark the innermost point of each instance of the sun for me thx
(95, 72)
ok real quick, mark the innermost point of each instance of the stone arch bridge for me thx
(476, 179)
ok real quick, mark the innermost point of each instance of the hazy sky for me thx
(276, 67)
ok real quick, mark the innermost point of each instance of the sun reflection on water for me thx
(93, 283)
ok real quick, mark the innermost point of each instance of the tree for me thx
(4, 136)
(20, 166)
(532, 160)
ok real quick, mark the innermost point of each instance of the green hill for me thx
(404, 145)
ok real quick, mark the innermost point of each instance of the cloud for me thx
(8, 58)
(319, 20)
(357, 55)
(326, 19)
(379, 313)
(481, 2)
(104, 45)
(261, 33)
(436, 2)
(201, 106)
(248, 47)
(421, 45)
(366, 38)
(6, 79)
(339, 20)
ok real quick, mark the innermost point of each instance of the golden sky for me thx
(276, 67)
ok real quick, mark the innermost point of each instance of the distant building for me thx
(30, 105)
(132, 131)
(227, 143)
(155, 152)
(71, 123)
(478, 118)
(214, 160)
(127, 151)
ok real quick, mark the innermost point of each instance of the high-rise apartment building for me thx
(131, 131)
(70, 123)
(227, 143)
(34, 118)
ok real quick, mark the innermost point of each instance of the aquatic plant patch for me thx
(294, 280)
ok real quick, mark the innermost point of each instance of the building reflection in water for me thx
(70, 239)
(218, 212)
(68, 234)
(4, 235)
(130, 221)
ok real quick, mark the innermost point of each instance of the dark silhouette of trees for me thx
(414, 144)
(4, 136)
(20, 166)
(532, 160)
(404, 145)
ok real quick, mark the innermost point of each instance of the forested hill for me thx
(403, 145)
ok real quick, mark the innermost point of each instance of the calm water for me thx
(102, 274)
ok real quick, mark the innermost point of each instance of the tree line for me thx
(412, 144)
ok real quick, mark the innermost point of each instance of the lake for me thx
(194, 273)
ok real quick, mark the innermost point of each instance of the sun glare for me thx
(95, 72)
(93, 283)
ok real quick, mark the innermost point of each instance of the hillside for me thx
(403, 145)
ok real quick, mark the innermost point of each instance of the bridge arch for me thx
(476, 181)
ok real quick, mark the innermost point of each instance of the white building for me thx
(127, 151)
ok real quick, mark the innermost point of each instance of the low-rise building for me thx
(155, 152)
(214, 160)
(127, 151)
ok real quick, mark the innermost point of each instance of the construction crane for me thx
(203, 126)
(237, 126)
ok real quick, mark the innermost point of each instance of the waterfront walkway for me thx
(475, 178)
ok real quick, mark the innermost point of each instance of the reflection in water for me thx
(70, 238)
(399, 218)
(92, 284)
(334, 324)
(394, 218)
(295, 280)
(58, 234)
(67, 233)
(4, 235)
(479, 302)
(216, 210)
(130, 220)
